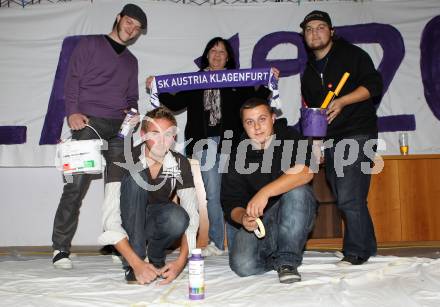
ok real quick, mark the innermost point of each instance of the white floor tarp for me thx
(97, 281)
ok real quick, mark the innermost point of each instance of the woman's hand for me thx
(148, 82)
(276, 72)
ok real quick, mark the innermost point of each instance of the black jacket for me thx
(249, 170)
(357, 118)
(197, 122)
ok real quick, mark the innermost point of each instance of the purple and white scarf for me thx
(215, 79)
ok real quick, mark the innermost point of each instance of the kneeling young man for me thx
(147, 210)
(267, 180)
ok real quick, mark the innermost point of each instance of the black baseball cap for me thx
(316, 15)
(134, 11)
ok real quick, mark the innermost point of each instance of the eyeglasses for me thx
(318, 29)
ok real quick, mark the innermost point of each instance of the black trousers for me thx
(67, 214)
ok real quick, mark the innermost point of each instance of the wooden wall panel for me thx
(420, 199)
(383, 203)
(404, 203)
(328, 219)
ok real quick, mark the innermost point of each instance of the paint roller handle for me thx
(327, 99)
(341, 83)
(331, 95)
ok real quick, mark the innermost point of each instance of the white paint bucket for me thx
(80, 156)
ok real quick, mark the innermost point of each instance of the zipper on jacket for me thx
(320, 74)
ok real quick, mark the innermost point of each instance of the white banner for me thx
(399, 35)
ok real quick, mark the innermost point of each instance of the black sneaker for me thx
(61, 260)
(107, 250)
(353, 260)
(130, 278)
(288, 274)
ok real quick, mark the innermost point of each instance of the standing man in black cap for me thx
(101, 86)
(351, 118)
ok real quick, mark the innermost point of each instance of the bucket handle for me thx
(57, 152)
(87, 125)
(94, 131)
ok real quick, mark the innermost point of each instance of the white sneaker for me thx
(116, 259)
(339, 254)
(212, 250)
(61, 260)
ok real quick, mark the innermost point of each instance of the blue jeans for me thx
(159, 224)
(231, 231)
(212, 179)
(287, 224)
(351, 192)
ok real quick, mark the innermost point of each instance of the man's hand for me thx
(317, 151)
(256, 205)
(77, 121)
(249, 223)
(171, 270)
(135, 119)
(145, 273)
(334, 109)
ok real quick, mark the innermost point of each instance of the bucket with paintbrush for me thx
(314, 120)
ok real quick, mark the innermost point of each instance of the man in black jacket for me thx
(351, 119)
(267, 179)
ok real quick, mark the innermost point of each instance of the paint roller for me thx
(331, 95)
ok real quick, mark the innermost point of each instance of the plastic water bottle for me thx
(196, 270)
(125, 127)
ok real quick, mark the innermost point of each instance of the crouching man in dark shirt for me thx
(268, 179)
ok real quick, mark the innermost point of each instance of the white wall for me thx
(31, 38)
(28, 200)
